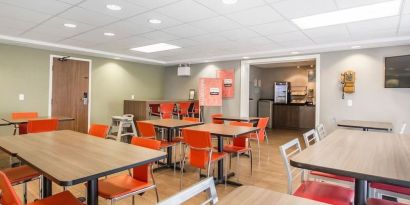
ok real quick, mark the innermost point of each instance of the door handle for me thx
(85, 98)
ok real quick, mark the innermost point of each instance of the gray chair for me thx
(321, 131)
(310, 136)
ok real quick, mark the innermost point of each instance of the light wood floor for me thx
(269, 174)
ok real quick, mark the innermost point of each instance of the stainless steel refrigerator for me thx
(281, 92)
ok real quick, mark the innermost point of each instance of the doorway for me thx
(246, 77)
(70, 91)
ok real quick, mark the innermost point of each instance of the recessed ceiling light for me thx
(355, 47)
(155, 21)
(294, 52)
(109, 34)
(229, 1)
(373, 11)
(245, 57)
(155, 48)
(70, 25)
(113, 7)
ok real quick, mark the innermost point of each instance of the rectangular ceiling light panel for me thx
(373, 11)
(155, 48)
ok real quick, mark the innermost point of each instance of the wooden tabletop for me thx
(224, 130)
(366, 124)
(260, 196)
(237, 118)
(371, 156)
(172, 123)
(68, 157)
(25, 120)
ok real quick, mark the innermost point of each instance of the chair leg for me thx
(25, 193)
(237, 167)
(259, 151)
(133, 199)
(266, 137)
(182, 174)
(251, 156)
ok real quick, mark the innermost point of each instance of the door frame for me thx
(245, 67)
(50, 84)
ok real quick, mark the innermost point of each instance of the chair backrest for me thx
(24, 115)
(286, 151)
(42, 125)
(241, 141)
(200, 145)
(262, 123)
(321, 131)
(146, 129)
(196, 107)
(403, 128)
(166, 110)
(142, 172)
(191, 119)
(186, 194)
(184, 107)
(310, 136)
(99, 130)
(215, 121)
(8, 195)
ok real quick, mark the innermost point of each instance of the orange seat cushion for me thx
(391, 188)
(333, 176)
(119, 185)
(165, 144)
(373, 201)
(64, 197)
(20, 174)
(234, 149)
(178, 139)
(324, 192)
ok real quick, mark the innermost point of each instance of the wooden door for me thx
(71, 93)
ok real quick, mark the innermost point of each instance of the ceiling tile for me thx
(375, 24)
(187, 11)
(184, 30)
(45, 6)
(159, 36)
(184, 43)
(342, 4)
(406, 7)
(337, 30)
(297, 8)
(241, 34)
(152, 3)
(78, 43)
(142, 19)
(405, 22)
(209, 38)
(255, 16)
(22, 14)
(296, 44)
(125, 44)
(97, 36)
(55, 26)
(291, 36)
(275, 28)
(13, 27)
(330, 39)
(373, 34)
(127, 28)
(73, 2)
(215, 24)
(88, 17)
(222, 8)
(42, 36)
(128, 9)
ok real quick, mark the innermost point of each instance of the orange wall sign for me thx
(228, 79)
(210, 92)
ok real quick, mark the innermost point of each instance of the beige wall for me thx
(178, 87)
(26, 70)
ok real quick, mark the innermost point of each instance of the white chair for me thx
(122, 123)
(403, 128)
(328, 193)
(310, 136)
(321, 131)
(186, 194)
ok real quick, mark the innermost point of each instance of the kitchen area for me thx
(285, 92)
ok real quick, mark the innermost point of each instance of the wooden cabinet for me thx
(293, 116)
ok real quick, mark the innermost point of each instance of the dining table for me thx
(366, 125)
(171, 126)
(224, 131)
(17, 121)
(237, 118)
(245, 195)
(68, 158)
(365, 156)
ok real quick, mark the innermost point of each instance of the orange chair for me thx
(201, 153)
(22, 175)
(9, 196)
(118, 187)
(260, 136)
(183, 108)
(147, 130)
(195, 109)
(154, 110)
(166, 110)
(22, 115)
(215, 121)
(42, 125)
(239, 146)
(99, 130)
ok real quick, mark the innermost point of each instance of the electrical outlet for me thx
(350, 103)
(21, 97)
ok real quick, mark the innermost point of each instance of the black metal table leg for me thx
(360, 187)
(169, 149)
(46, 187)
(92, 192)
(220, 162)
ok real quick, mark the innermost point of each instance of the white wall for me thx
(371, 101)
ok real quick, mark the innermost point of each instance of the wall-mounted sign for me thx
(228, 77)
(209, 92)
